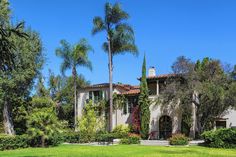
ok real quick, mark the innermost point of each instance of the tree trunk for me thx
(7, 120)
(74, 73)
(110, 84)
(42, 141)
(116, 118)
(199, 125)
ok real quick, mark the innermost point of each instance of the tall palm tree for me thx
(120, 39)
(74, 56)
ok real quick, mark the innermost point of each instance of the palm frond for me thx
(80, 54)
(108, 12)
(114, 14)
(130, 48)
(124, 27)
(64, 52)
(117, 14)
(98, 25)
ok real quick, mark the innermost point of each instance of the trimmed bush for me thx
(13, 142)
(179, 139)
(131, 139)
(105, 137)
(220, 138)
(71, 137)
(121, 131)
(55, 140)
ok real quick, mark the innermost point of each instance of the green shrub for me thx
(105, 137)
(13, 142)
(131, 139)
(178, 139)
(88, 123)
(121, 131)
(52, 140)
(72, 137)
(55, 140)
(43, 126)
(220, 138)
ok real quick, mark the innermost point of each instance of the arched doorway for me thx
(165, 127)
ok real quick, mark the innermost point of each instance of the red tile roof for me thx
(132, 92)
(128, 89)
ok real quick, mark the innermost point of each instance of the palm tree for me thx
(74, 56)
(120, 39)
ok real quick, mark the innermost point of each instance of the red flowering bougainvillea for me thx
(136, 119)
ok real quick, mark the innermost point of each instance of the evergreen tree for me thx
(7, 32)
(20, 62)
(41, 90)
(144, 103)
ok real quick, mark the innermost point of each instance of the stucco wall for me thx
(230, 118)
(118, 116)
(159, 110)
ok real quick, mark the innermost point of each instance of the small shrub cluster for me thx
(179, 139)
(88, 124)
(121, 131)
(105, 137)
(13, 142)
(71, 137)
(55, 140)
(221, 138)
(131, 139)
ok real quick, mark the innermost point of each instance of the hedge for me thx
(131, 139)
(13, 142)
(220, 138)
(71, 137)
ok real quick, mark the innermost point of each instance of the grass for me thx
(119, 151)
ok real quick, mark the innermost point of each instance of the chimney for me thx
(151, 71)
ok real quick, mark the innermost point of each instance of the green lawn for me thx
(119, 151)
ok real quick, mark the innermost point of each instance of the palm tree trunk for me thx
(7, 120)
(110, 83)
(74, 73)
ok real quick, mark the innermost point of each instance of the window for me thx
(220, 124)
(130, 105)
(96, 95)
(152, 87)
(125, 108)
(132, 101)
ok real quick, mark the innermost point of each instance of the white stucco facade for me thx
(159, 113)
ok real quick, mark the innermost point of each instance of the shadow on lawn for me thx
(178, 151)
(37, 156)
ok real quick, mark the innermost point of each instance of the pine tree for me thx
(5, 12)
(144, 103)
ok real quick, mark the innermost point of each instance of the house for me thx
(165, 120)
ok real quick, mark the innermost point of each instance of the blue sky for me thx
(164, 30)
